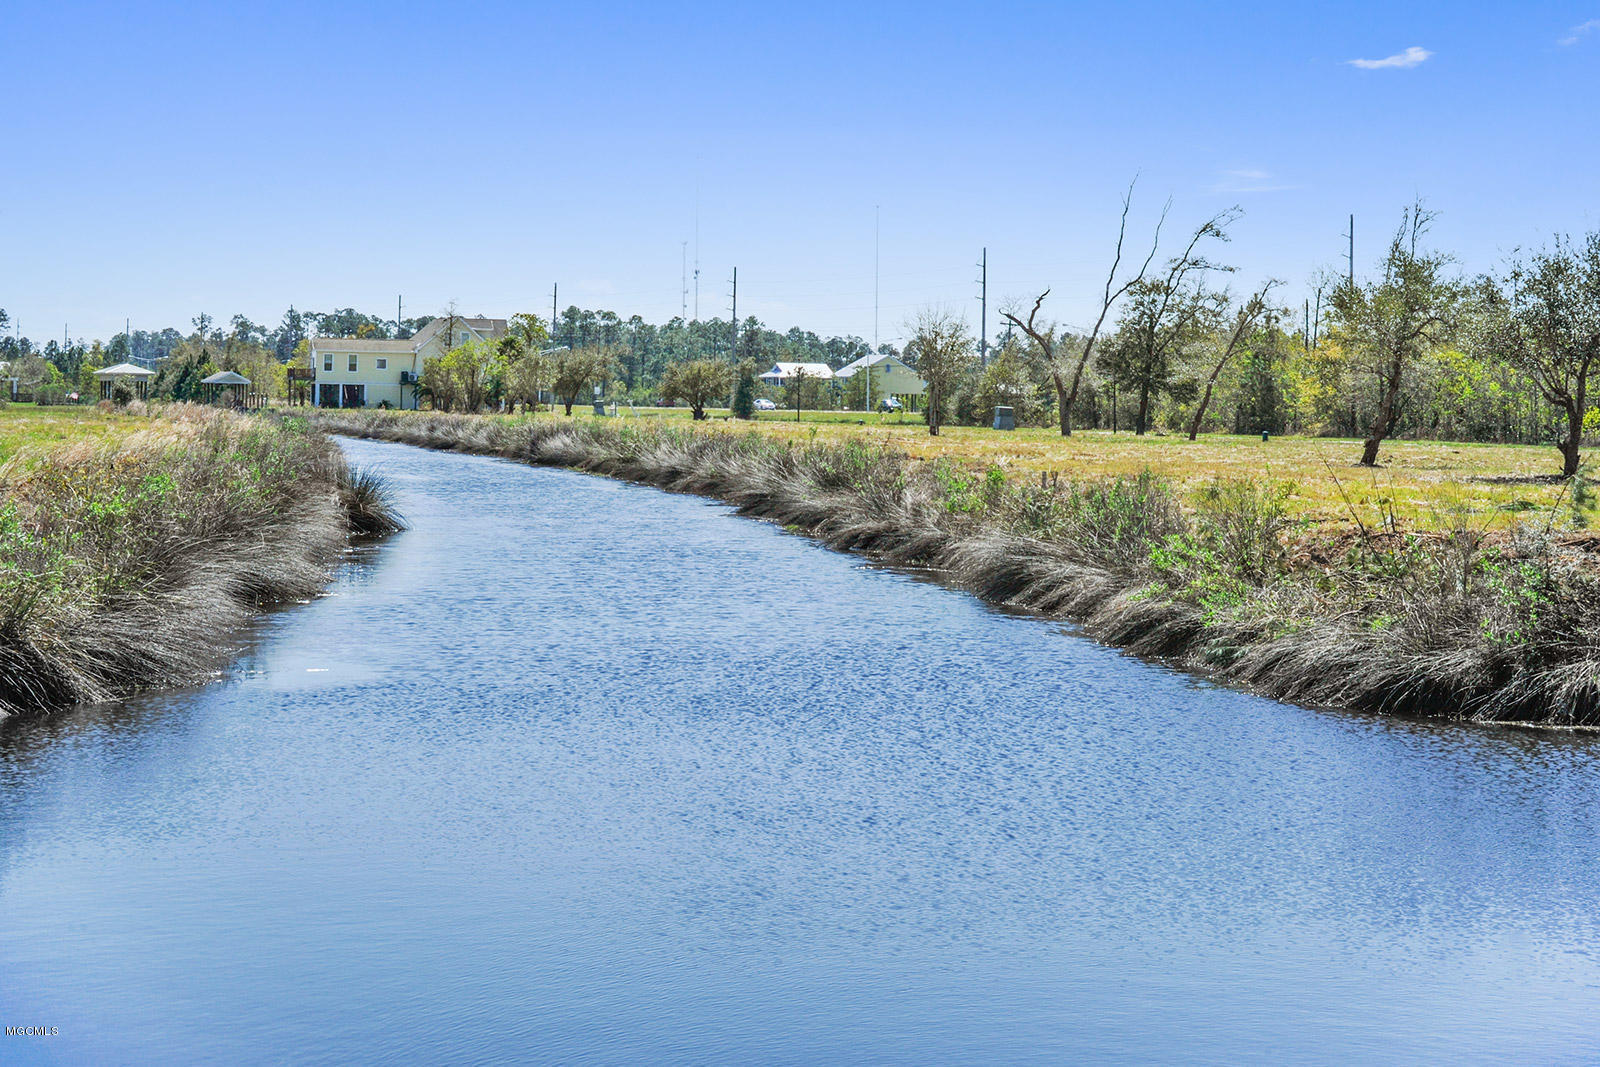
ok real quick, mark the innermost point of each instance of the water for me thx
(580, 771)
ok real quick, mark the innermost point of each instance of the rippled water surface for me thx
(576, 770)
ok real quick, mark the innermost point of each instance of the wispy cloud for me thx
(1579, 31)
(1248, 181)
(1411, 57)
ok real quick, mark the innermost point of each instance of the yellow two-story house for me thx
(355, 372)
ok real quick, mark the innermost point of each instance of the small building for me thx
(9, 383)
(227, 388)
(354, 372)
(886, 376)
(136, 376)
(782, 374)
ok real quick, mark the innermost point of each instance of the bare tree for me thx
(1066, 370)
(1245, 318)
(1548, 326)
(1391, 323)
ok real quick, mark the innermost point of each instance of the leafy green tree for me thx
(941, 348)
(1545, 322)
(575, 370)
(180, 375)
(1226, 340)
(522, 364)
(1390, 324)
(1010, 380)
(744, 391)
(697, 383)
(801, 391)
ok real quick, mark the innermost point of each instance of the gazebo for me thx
(136, 376)
(227, 388)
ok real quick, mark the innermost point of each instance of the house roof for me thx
(478, 324)
(226, 377)
(362, 344)
(789, 370)
(124, 370)
(871, 359)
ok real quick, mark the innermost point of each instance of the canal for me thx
(575, 770)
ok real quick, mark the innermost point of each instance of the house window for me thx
(327, 361)
(352, 363)
(380, 363)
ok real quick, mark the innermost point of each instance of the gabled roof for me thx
(361, 344)
(482, 326)
(124, 370)
(789, 370)
(871, 359)
(225, 377)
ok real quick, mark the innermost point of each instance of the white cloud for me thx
(1411, 57)
(1248, 181)
(1579, 30)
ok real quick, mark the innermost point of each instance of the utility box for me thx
(1005, 418)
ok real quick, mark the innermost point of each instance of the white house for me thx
(886, 375)
(355, 372)
(784, 373)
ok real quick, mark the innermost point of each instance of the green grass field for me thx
(26, 427)
(1424, 484)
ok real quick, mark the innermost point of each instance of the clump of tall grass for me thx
(1453, 623)
(129, 565)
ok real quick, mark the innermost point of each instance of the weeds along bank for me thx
(1463, 623)
(129, 564)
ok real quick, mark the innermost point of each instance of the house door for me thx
(327, 396)
(355, 396)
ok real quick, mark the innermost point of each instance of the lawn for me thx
(1425, 484)
(24, 426)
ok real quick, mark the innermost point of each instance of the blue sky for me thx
(166, 159)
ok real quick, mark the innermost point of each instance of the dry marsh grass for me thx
(1226, 578)
(129, 557)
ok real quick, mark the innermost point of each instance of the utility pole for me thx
(399, 310)
(983, 311)
(554, 288)
(1352, 254)
(733, 353)
(874, 283)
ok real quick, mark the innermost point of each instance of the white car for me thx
(763, 404)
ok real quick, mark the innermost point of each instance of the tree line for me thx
(1412, 348)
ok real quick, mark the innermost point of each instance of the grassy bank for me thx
(131, 549)
(1420, 482)
(1493, 621)
(24, 427)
